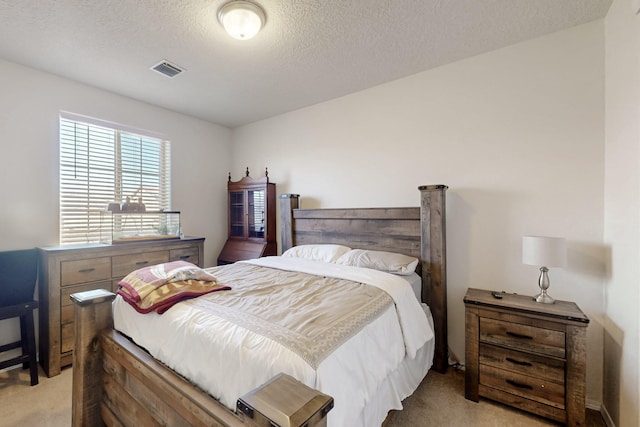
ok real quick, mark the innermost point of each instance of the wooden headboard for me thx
(414, 231)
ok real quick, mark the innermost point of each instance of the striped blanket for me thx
(158, 287)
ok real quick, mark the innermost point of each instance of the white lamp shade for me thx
(544, 251)
(241, 19)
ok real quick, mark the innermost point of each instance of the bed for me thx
(119, 383)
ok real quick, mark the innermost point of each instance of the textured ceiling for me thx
(309, 51)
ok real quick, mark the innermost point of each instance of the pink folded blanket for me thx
(159, 287)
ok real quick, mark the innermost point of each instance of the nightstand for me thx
(525, 354)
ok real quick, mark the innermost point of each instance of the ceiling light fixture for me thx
(241, 19)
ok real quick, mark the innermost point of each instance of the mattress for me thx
(371, 372)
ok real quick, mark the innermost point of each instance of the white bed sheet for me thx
(400, 384)
(368, 375)
(416, 284)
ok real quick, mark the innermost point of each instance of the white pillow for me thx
(384, 261)
(326, 253)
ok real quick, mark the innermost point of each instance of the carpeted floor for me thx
(47, 404)
(439, 401)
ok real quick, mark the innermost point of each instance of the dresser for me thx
(65, 270)
(525, 354)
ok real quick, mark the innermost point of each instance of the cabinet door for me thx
(236, 214)
(256, 206)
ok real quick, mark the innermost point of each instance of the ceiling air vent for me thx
(167, 68)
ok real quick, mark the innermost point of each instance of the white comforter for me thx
(187, 339)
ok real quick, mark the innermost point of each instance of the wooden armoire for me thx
(252, 219)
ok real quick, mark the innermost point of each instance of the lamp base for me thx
(544, 298)
(543, 282)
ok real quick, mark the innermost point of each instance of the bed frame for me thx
(117, 383)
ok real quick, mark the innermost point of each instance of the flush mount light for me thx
(241, 19)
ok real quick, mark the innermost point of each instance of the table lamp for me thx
(544, 252)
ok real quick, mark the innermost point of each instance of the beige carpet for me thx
(439, 401)
(47, 404)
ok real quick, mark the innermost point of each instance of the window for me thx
(101, 164)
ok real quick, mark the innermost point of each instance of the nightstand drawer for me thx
(524, 363)
(536, 389)
(522, 337)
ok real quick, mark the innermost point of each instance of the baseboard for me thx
(606, 416)
(593, 404)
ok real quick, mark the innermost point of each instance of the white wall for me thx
(517, 135)
(30, 104)
(622, 214)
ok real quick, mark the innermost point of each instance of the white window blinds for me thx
(101, 164)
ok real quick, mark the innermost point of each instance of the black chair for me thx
(18, 274)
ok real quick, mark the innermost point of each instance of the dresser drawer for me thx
(523, 337)
(524, 363)
(537, 389)
(186, 254)
(66, 305)
(66, 311)
(125, 264)
(84, 270)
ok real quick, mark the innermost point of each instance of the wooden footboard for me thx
(140, 391)
(116, 383)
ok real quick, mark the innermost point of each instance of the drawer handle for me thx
(519, 385)
(518, 362)
(86, 270)
(185, 256)
(142, 262)
(517, 335)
